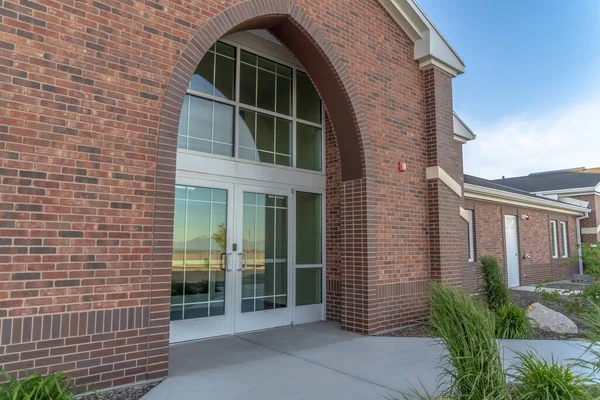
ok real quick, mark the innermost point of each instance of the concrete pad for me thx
(319, 361)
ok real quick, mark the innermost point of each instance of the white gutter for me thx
(484, 193)
(576, 191)
(579, 251)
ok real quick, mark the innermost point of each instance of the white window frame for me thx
(554, 238)
(565, 239)
(470, 238)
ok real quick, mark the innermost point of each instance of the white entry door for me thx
(263, 278)
(232, 259)
(512, 250)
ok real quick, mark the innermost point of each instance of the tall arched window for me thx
(240, 104)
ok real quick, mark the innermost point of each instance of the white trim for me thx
(554, 238)
(590, 231)
(573, 191)
(470, 238)
(501, 196)
(564, 237)
(431, 48)
(461, 129)
(465, 214)
(438, 173)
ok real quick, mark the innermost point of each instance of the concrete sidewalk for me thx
(315, 361)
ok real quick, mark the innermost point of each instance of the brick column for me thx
(447, 229)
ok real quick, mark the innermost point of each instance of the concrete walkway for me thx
(314, 361)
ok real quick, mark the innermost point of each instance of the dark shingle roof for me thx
(553, 180)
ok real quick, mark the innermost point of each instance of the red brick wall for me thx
(594, 218)
(534, 240)
(89, 102)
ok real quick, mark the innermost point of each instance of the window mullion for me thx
(294, 145)
(236, 117)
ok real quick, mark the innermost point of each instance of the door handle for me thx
(244, 263)
(227, 261)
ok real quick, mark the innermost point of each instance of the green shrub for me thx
(495, 289)
(536, 379)
(512, 322)
(466, 328)
(35, 387)
(592, 293)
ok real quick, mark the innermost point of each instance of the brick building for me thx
(175, 170)
(532, 235)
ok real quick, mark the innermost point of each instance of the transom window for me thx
(242, 105)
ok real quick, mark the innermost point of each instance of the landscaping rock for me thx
(549, 320)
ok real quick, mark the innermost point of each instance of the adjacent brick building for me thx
(546, 232)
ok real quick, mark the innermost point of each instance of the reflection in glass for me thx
(206, 126)
(199, 241)
(264, 283)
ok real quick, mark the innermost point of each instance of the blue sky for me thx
(532, 85)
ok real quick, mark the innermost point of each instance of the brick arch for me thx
(295, 29)
(327, 69)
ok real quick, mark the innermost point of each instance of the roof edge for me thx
(431, 48)
(525, 200)
(461, 129)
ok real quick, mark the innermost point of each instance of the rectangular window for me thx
(309, 249)
(554, 239)
(565, 240)
(470, 240)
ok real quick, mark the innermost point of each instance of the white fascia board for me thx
(462, 130)
(574, 191)
(431, 48)
(575, 202)
(500, 196)
(590, 231)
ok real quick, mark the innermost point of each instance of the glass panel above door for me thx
(276, 118)
(199, 244)
(308, 105)
(215, 75)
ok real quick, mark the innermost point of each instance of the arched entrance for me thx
(236, 188)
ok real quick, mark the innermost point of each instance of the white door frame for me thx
(191, 329)
(234, 321)
(257, 320)
(511, 235)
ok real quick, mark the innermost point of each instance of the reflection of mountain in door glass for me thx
(199, 241)
(264, 283)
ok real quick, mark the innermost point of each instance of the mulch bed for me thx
(520, 298)
(127, 393)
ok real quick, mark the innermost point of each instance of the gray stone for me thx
(549, 320)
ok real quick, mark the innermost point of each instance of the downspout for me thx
(578, 222)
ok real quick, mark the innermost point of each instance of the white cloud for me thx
(564, 138)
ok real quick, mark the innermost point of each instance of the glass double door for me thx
(231, 262)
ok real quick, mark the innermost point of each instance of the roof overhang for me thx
(462, 132)
(476, 192)
(431, 48)
(573, 191)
